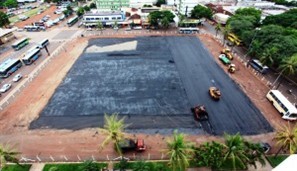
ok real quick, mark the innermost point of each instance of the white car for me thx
(5, 88)
(17, 77)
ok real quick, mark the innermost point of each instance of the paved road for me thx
(153, 85)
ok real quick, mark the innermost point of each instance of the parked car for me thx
(137, 28)
(23, 17)
(62, 17)
(17, 77)
(58, 12)
(224, 59)
(215, 93)
(56, 21)
(5, 88)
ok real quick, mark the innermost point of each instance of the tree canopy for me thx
(249, 12)
(158, 16)
(10, 3)
(200, 11)
(287, 19)
(4, 21)
(160, 2)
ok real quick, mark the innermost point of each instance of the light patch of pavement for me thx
(111, 48)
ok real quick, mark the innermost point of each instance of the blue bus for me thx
(31, 56)
(9, 66)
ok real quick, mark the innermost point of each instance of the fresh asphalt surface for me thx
(153, 86)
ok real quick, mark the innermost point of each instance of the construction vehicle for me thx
(215, 93)
(231, 68)
(199, 112)
(201, 115)
(228, 53)
(132, 145)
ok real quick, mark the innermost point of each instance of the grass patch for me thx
(142, 165)
(274, 161)
(27, 13)
(71, 166)
(23, 167)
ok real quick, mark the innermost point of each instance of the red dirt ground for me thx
(15, 119)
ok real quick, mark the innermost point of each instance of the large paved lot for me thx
(153, 81)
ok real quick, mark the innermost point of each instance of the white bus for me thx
(188, 30)
(282, 104)
(32, 56)
(43, 43)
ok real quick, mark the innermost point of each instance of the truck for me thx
(127, 145)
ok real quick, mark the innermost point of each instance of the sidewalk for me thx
(37, 167)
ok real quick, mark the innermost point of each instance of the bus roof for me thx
(28, 55)
(285, 101)
(71, 19)
(6, 64)
(16, 43)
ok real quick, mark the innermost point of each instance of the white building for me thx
(140, 3)
(106, 18)
(186, 6)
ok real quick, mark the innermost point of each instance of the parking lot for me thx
(153, 81)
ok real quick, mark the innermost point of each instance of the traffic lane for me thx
(27, 69)
(234, 112)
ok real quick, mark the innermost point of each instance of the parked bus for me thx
(32, 56)
(72, 21)
(282, 104)
(9, 66)
(189, 30)
(257, 65)
(234, 39)
(43, 43)
(20, 44)
(31, 28)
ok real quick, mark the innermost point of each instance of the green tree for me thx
(267, 56)
(200, 11)
(179, 151)
(114, 130)
(218, 28)
(226, 32)
(93, 5)
(7, 154)
(4, 21)
(11, 3)
(160, 2)
(100, 26)
(250, 12)
(286, 138)
(156, 16)
(287, 66)
(286, 19)
(210, 155)
(87, 8)
(165, 23)
(142, 166)
(80, 11)
(235, 151)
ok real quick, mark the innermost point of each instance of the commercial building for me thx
(111, 5)
(106, 18)
(186, 6)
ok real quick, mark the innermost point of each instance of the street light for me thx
(250, 45)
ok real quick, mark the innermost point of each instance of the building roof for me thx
(103, 13)
(4, 32)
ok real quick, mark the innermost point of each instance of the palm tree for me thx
(267, 56)
(226, 32)
(100, 26)
(7, 154)
(286, 137)
(235, 151)
(218, 28)
(114, 129)
(287, 66)
(179, 151)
